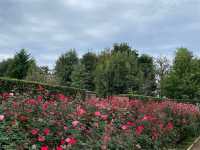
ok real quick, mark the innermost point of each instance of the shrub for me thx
(56, 121)
(31, 88)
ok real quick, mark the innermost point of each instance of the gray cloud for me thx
(49, 28)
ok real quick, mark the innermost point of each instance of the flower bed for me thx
(55, 121)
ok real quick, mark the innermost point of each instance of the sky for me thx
(49, 28)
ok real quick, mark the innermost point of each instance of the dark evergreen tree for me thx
(4, 65)
(89, 62)
(64, 67)
(20, 65)
(78, 76)
(147, 75)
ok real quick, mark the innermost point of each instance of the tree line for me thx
(116, 70)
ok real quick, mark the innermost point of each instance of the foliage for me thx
(4, 65)
(183, 79)
(116, 72)
(147, 75)
(78, 76)
(30, 88)
(89, 62)
(20, 65)
(55, 121)
(41, 74)
(64, 67)
(162, 69)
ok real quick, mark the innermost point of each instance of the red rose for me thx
(59, 148)
(46, 131)
(139, 130)
(44, 148)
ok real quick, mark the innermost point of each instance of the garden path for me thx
(196, 145)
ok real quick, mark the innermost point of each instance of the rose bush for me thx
(55, 121)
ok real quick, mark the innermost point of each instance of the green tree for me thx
(20, 65)
(162, 69)
(147, 75)
(103, 72)
(183, 79)
(35, 73)
(41, 74)
(89, 62)
(78, 76)
(116, 72)
(64, 67)
(4, 65)
(123, 47)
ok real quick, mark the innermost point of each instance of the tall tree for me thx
(116, 72)
(182, 81)
(65, 66)
(20, 65)
(89, 62)
(162, 69)
(147, 75)
(78, 76)
(4, 65)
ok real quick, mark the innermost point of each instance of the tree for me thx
(116, 72)
(35, 73)
(183, 79)
(41, 74)
(162, 69)
(78, 76)
(64, 67)
(20, 65)
(103, 73)
(4, 65)
(89, 62)
(147, 75)
(123, 47)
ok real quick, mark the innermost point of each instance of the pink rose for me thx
(104, 117)
(34, 131)
(124, 127)
(2, 117)
(71, 141)
(97, 113)
(41, 139)
(80, 111)
(65, 127)
(75, 123)
(11, 94)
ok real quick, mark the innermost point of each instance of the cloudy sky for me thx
(48, 28)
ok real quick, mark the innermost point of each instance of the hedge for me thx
(30, 87)
(148, 98)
